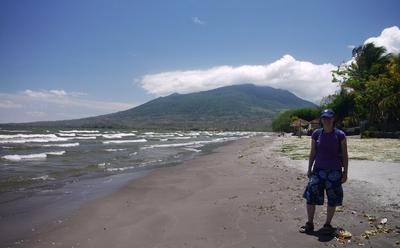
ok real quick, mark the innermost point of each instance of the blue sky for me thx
(70, 59)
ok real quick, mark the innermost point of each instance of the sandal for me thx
(328, 229)
(307, 228)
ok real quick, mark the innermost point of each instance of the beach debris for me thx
(19, 242)
(398, 243)
(253, 162)
(370, 218)
(240, 156)
(353, 212)
(344, 234)
(233, 197)
(380, 229)
(361, 244)
(339, 210)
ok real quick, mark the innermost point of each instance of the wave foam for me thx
(15, 131)
(115, 150)
(84, 138)
(56, 153)
(78, 131)
(22, 136)
(30, 138)
(177, 144)
(117, 135)
(25, 157)
(90, 134)
(45, 177)
(66, 134)
(36, 156)
(192, 149)
(62, 145)
(124, 141)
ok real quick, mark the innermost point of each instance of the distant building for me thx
(314, 124)
(300, 126)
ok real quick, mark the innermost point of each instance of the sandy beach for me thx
(241, 195)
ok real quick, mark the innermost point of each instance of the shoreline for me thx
(21, 216)
(240, 195)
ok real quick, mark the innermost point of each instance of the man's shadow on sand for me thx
(323, 235)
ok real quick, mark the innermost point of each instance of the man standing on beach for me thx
(327, 171)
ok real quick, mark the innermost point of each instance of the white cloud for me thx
(197, 20)
(389, 38)
(51, 93)
(64, 98)
(305, 79)
(31, 105)
(8, 104)
(36, 114)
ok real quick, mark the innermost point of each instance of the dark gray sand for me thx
(242, 195)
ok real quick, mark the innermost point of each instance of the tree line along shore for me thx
(367, 102)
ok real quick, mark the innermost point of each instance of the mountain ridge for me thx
(237, 107)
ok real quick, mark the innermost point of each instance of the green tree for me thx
(283, 121)
(369, 87)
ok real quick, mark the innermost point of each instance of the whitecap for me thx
(90, 134)
(45, 177)
(15, 131)
(56, 153)
(191, 144)
(21, 136)
(17, 157)
(192, 149)
(62, 145)
(103, 165)
(117, 135)
(25, 157)
(115, 150)
(120, 168)
(34, 138)
(124, 141)
(144, 164)
(7, 147)
(181, 138)
(79, 131)
(66, 134)
(176, 144)
(84, 138)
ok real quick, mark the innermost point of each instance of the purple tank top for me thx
(328, 155)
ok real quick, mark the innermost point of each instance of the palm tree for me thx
(370, 61)
(390, 104)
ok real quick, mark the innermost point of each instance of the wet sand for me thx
(241, 195)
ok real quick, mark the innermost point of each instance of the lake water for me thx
(46, 173)
(35, 160)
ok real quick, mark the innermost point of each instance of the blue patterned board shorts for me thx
(321, 181)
